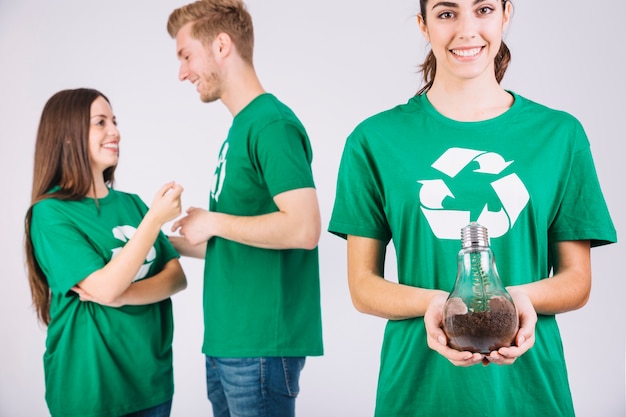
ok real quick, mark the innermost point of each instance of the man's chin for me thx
(208, 98)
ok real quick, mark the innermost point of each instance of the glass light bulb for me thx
(479, 314)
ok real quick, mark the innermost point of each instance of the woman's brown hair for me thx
(429, 67)
(62, 170)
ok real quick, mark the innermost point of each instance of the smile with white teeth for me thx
(466, 52)
(110, 146)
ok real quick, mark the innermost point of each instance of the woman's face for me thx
(465, 36)
(104, 138)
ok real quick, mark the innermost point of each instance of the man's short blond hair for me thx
(209, 18)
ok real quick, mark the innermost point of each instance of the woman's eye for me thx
(446, 15)
(485, 10)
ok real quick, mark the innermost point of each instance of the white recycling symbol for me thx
(446, 223)
(124, 233)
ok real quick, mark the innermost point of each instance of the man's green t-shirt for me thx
(100, 361)
(261, 302)
(414, 177)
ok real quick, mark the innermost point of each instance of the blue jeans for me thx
(162, 410)
(253, 387)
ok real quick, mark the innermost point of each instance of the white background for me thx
(335, 62)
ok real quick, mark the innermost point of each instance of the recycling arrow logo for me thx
(435, 194)
(124, 233)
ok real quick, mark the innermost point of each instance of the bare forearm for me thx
(109, 282)
(185, 248)
(569, 288)
(156, 288)
(295, 224)
(116, 276)
(390, 300)
(558, 294)
(371, 293)
(270, 231)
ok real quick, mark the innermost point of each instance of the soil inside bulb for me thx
(483, 331)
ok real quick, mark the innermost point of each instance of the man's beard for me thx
(211, 88)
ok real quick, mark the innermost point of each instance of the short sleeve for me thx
(79, 259)
(583, 213)
(358, 208)
(283, 156)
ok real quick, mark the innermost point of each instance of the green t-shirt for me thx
(100, 361)
(415, 177)
(261, 302)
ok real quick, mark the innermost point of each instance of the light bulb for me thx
(479, 314)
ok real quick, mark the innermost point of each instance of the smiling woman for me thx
(393, 162)
(453, 28)
(99, 266)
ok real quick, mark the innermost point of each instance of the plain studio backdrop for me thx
(335, 62)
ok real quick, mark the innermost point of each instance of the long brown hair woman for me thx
(100, 270)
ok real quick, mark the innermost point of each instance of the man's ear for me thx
(222, 45)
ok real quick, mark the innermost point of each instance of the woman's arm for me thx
(160, 286)
(111, 281)
(569, 287)
(371, 293)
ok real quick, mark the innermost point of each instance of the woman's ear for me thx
(506, 18)
(423, 28)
